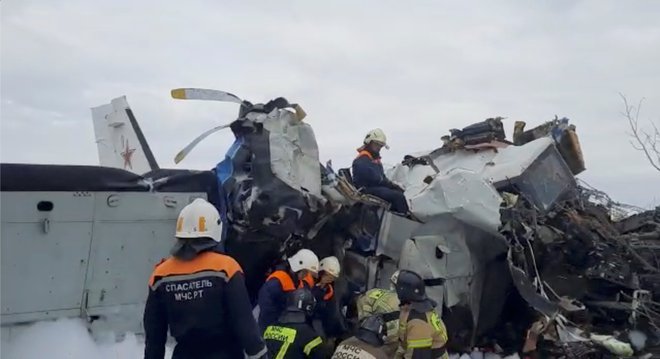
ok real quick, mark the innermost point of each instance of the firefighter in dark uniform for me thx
(367, 342)
(422, 334)
(200, 294)
(293, 337)
(299, 271)
(369, 175)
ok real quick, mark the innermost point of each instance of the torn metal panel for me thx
(394, 231)
(463, 183)
(529, 292)
(544, 181)
(455, 255)
(463, 194)
(271, 177)
(562, 133)
(294, 153)
(494, 165)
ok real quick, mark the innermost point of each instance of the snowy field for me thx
(69, 339)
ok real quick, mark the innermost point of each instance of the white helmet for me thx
(376, 135)
(304, 259)
(330, 265)
(199, 219)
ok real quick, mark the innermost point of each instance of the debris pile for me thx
(592, 285)
(589, 279)
(584, 274)
(519, 255)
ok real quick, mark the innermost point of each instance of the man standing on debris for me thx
(367, 342)
(292, 337)
(422, 334)
(369, 175)
(297, 272)
(386, 304)
(200, 294)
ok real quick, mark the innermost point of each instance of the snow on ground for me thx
(69, 339)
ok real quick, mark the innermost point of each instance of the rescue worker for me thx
(292, 336)
(422, 334)
(200, 294)
(327, 310)
(329, 270)
(367, 342)
(298, 271)
(385, 303)
(369, 175)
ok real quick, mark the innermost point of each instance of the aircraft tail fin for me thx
(119, 139)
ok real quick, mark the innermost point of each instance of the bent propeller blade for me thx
(204, 94)
(184, 152)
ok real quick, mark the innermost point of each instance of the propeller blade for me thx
(184, 152)
(204, 94)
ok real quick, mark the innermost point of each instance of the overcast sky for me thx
(415, 69)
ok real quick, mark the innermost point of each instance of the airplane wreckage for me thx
(504, 234)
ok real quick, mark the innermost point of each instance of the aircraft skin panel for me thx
(102, 136)
(128, 240)
(119, 139)
(91, 254)
(394, 231)
(23, 207)
(141, 206)
(44, 253)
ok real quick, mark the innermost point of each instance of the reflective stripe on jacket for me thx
(354, 348)
(382, 301)
(205, 305)
(421, 335)
(272, 297)
(292, 341)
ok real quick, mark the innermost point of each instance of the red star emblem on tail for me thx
(127, 154)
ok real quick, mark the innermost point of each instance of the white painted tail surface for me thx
(119, 139)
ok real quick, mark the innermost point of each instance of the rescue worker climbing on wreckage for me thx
(383, 302)
(422, 334)
(293, 336)
(296, 272)
(200, 294)
(369, 175)
(367, 342)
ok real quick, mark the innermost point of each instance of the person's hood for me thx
(187, 249)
